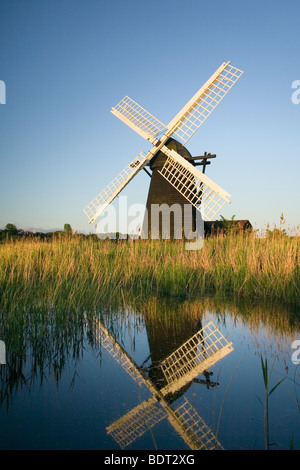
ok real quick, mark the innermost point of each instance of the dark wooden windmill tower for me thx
(175, 178)
(180, 215)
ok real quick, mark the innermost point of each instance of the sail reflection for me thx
(180, 368)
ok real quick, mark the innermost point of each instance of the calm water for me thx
(100, 384)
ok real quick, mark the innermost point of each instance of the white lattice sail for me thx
(118, 353)
(198, 189)
(136, 422)
(197, 433)
(201, 105)
(138, 118)
(195, 356)
(108, 194)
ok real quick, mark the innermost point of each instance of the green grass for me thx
(84, 272)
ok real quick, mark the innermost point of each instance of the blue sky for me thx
(65, 63)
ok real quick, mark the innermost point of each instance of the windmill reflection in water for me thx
(167, 382)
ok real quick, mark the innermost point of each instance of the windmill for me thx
(174, 174)
(193, 357)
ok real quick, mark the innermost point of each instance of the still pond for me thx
(153, 375)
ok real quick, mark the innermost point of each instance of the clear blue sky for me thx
(65, 63)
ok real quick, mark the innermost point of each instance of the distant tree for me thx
(228, 224)
(11, 229)
(68, 229)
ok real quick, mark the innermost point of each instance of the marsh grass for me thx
(268, 392)
(82, 272)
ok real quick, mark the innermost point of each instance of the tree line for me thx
(11, 232)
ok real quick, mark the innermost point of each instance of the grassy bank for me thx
(80, 272)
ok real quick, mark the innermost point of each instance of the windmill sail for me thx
(201, 105)
(136, 422)
(197, 434)
(118, 353)
(138, 118)
(199, 190)
(108, 194)
(195, 356)
(192, 428)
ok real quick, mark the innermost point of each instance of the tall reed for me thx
(82, 272)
